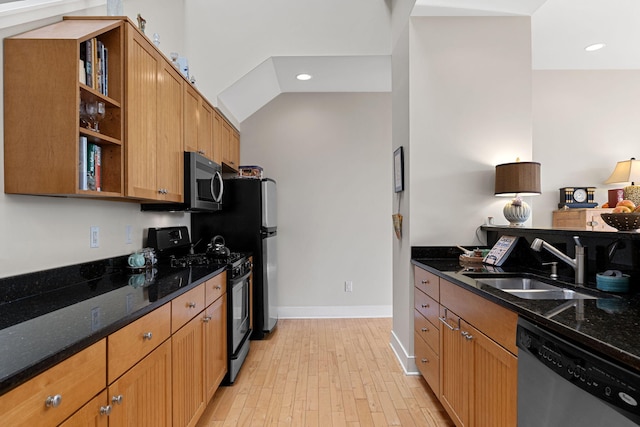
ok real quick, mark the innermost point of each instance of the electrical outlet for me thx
(127, 232)
(95, 237)
(348, 286)
(95, 319)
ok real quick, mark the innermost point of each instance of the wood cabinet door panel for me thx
(131, 343)
(427, 331)
(427, 306)
(215, 341)
(145, 392)
(90, 415)
(428, 363)
(188, 372)
(494, 381)
(191, 107)
(75, 380)
(205, 129)
(427, 282)
(215, 287)
(141, 109)
(454, 360)
(170, 159)
(186, 307)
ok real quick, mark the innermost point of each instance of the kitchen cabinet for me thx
(479, 368)
(199, 123)
(581, 219)
(142, 397)
(230, 141)
(153, 95)
(215, 345)
(43, 90)
(54, 395)
(426, 326)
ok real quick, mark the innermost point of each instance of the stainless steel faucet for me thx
(578, 263)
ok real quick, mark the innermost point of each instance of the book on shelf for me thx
(98, 167)
(95, 64)
(82, 164)
(88, 62)
(91, 167)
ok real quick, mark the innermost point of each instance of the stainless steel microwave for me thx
(203, 187)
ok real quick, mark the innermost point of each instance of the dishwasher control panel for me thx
(608, 381)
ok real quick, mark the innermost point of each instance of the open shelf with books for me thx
(61, 105)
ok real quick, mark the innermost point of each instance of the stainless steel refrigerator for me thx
(248, 222)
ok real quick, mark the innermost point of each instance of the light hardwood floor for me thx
(325, 372)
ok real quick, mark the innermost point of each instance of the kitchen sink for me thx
(529, 288)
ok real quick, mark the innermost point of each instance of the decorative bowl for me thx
(622, 221)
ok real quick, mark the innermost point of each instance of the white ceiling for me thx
(561, 29)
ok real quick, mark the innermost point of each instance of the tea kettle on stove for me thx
(217, 247)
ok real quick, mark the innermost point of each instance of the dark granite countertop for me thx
(48, 316)
(610, 324)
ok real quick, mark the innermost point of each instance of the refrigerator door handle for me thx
(217, 198)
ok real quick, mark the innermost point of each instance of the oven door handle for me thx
(242, 278)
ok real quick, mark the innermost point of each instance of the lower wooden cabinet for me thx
(57, 393)
(215, 345)
(142, 397)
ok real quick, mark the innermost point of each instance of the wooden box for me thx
(581, 219)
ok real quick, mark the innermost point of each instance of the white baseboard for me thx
(407, 362)
(358, 311)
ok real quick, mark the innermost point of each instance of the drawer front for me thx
(427, 306)
(427, 282)
(214, 288)
(74, 381)
(186, 306)
(428, 363)
(130, 344)
(427, 331)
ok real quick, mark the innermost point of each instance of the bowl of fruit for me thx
(624, 217)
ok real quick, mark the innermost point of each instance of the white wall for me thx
(330, 154)
(470, 110)
(46, 232)
(584, 122)
(227, 39)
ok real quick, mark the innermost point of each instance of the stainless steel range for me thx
(174, 247)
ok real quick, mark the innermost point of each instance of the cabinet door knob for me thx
(147, 336)
(424, 360)
(117, 400)
(53, 401)
(105, 410)
(218, 287)
(424, 282)
(191, 304)
(206, 319)
(425, 329)
(425, 305)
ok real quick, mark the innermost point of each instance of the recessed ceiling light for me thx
(303, 76)
(595, 46)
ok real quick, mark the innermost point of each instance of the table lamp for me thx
(627, 171)
(516, 180)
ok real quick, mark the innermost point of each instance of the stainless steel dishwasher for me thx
(564, 385)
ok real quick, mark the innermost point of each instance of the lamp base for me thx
(632, 192)
(517, 212)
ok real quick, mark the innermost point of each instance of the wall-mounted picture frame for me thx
(398, 170)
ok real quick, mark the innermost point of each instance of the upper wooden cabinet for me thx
(153, 91)
(198, 119)
(230, 143)
(43, 93)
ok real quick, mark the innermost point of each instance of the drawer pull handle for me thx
(444, 320)
(218, 287)
(105, 410)
(147, 336)
(191, 304)
(425, 305)
(424, 360)
(425, 329)
(425, 282)
(53, 401)
(206, 319)
(117, 400)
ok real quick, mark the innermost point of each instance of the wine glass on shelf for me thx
(84, 118)
(100, 113)
(92, 109)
